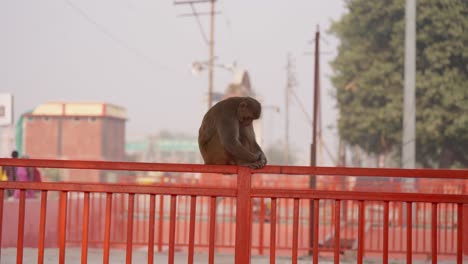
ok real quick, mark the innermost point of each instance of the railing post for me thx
(243, 216)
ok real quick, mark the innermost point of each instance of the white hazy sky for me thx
(137, 54)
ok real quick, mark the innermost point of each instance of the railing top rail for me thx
(201, 168)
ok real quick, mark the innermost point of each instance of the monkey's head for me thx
(248, 110)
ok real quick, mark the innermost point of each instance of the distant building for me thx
(161, 149)
(78, 131)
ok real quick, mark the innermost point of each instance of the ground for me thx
(117, 256)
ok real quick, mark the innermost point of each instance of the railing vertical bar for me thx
(107, 228)
(445, 227)
(295, 230)
(186, 216)
(261, 223)
(243, 217)
(151, 229)
(200, 224)
(77, 213)
(361, 221)
(129, 247)
(337, 232)
(122, 211)
(62, 225)
(416, 229)
(379, 235)
(193, 210)
(212, 229)
(172, 226)
(42, 223)
(452, 244)
(160, 223)
(385, 233)
(434, 233)
(2, 200)
(315, 251)
(424, 227)
(178, 214)
(69, 215)
(231, 216)
(20, 238)
(84, 241)
(273, 231)
(460, 234)
(137, 233)
(100, 217)
(409, 233)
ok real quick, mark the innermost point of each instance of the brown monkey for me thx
(226, 135)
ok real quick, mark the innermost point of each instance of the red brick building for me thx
(79, 131)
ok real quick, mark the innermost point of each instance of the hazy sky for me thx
(137, 54)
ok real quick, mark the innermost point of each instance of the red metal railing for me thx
(88, 218)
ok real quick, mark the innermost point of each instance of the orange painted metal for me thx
(193, 208)
(151, 229)
(212, 230)
(19, 247)
(84, 242)
(243, 217)
(409, 233)
(2, 191)
(337, 232)
(129, 247)
(62, 225)
(295, 230)
(42, 226)
(244, 195)
(160, 222)
(172, 229)
(460, 234)
(385, 233)
(107, 228)
(225, 169)
(361, 233)
(273, 231)
(434, 233)
(315, 250)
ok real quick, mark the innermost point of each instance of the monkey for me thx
(226, 135)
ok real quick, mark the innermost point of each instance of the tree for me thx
(369, 78)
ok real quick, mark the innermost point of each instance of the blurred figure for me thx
(26, 174)
(10, 172)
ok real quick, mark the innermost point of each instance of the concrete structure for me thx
(78, 131)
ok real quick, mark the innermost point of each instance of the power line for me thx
(200, 27)
(114, 38)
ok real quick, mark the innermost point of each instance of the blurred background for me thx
(131, 81)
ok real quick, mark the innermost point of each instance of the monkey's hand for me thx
(260, 163)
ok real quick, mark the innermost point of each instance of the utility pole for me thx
(409, 103)
(211, 42)
(290, 83)
(313, 147)
(211, 75)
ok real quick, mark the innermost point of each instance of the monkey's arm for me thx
(228, 133)
(263, 158)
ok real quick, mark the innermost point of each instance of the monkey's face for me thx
(246, 114)
(245, 121)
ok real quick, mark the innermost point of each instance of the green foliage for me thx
(369, 78)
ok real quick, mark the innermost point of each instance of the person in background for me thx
(25, 174)
(10, 172)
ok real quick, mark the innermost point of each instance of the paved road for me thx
(117, 256)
